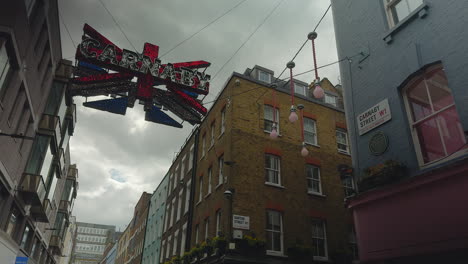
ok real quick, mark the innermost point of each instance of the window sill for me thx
(344, 153)
(455, 155)
(206, 196)
(317, 194)
(275, 185)
(268, 132)
(219, 185)
(313, 145)
(199, 202)
(420, 12)
(211, 146)
(321, 259)
(220, 135)
(276, 254)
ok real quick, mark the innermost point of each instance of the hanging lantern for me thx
(318, 90)
(304, 151)
(274, 131)
(293, 116)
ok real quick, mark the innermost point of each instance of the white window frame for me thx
(187, 195)
(191, 157)
(266, 74)
(312, 179)
(220, 170)
(176, 173)
(197, 233)
(266, 119)
(348, 187)
(173, 211)
(212, 128)
(331, 99)
(175, 242)
(179, 206)
(182, 246)
(168, 247)
(203, 145)
(210, 173)
(413, 123)
(322, 222)
(390, 11)
(277, 170)
(207, 226)
(300, 89)
(273, 252)
(223, 121)
(200, 194)
(346, 143)
(312, 133)
(218, 222)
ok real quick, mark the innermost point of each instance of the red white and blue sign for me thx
(105, 69)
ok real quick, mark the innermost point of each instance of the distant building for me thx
(90, 242)
(109, 254)
(155, 223)
(130, 244)
(407, 107)
(239, 172)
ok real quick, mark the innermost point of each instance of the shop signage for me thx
(374, 117)
(21, 260)
(241, 222)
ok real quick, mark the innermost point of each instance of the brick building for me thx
(130, 244)
(37, 183)
(286, 197)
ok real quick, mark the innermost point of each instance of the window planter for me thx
(388, 172)
(300, 254)
(251, 246)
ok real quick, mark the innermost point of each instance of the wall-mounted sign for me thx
(21, 260)
(374, 117)
(241, 222)
(378, 143)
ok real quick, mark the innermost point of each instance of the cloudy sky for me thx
(119, 157)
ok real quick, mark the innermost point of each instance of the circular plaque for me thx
(378, 143)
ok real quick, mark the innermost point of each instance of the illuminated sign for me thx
(97, 56)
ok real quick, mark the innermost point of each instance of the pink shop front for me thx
(421, 220)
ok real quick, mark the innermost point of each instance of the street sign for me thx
(241, 222)
(374, 117)
(21, 260)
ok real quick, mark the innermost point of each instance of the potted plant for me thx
(207, 247)
(195, 253)
(186, 258)
(175, 260)
(219, 244)
(252, 246)
(381, 174)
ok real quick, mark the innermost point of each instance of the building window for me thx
(203, 146)
(176, 175)
(264, 76)
(179, 206)
(200, 194)
(182, 246)
(313, 179)
(5, 69)
(397, 10)
(218, 222)
(196, 233)
(274, 232)
(342, 141)
(12, 222)
(220, 170)
(310, 131)
(27, 236)
(207, 226)
(212, 134)
(269, 119)
(182, 167)
(187, 196)
(209, 180)
(348, 185)
(175, 243)
(330, 99)
(223, 120)
(161, 258)
(319, 239)
(300, 89)
(272, 169)
(190, 157)
(437, 131)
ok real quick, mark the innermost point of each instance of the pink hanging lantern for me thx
(318, 91)
(292, 116)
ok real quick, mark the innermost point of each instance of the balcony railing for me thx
(41, 213)
(32, 189)
(72, 173)
(50, 125)
(56, 244)
(64, 207)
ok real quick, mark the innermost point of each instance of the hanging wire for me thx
(250, 36)
(68, 32)
(207, 25)
(118, 25)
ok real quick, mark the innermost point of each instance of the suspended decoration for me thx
(318, 90)
(292, 116)
(96, 56)
(304, 151)
(274, 130)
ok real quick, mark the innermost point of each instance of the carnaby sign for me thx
(374, 117)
